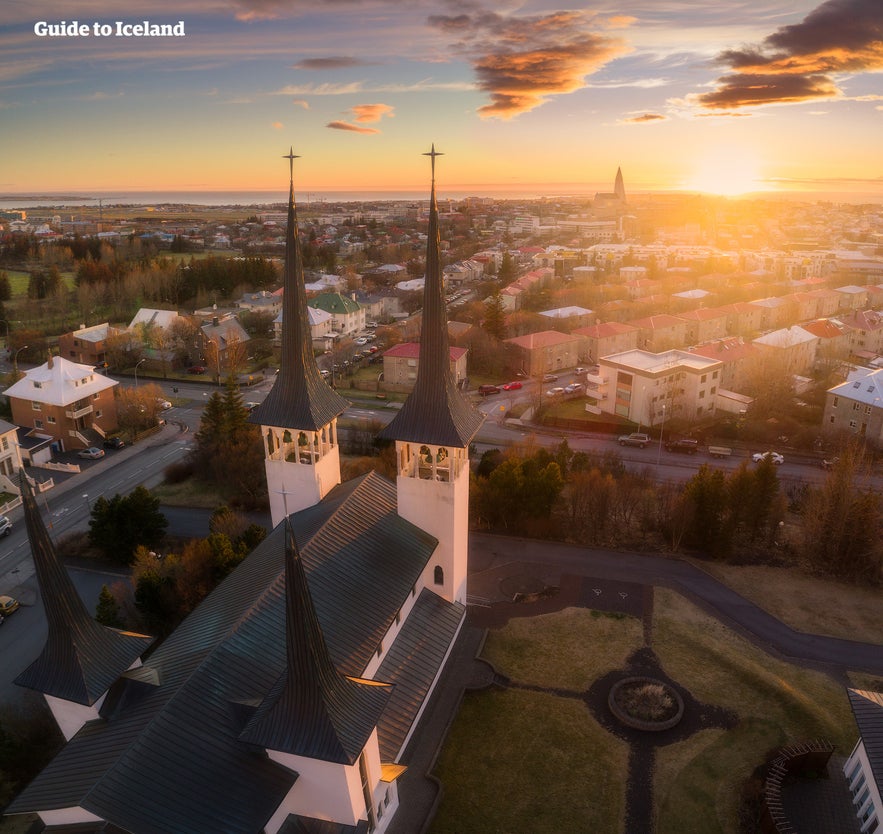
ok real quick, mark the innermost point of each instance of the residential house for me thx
(402, 361)
(833, 347)
(775, 312)
(606, 338)
(660, 332)
(347, 316)
(743, 318)
(67, 402)
(740, 361)
(789, 350)
(649, 388)
(852, 297)
(261, 302)
(320, 328)
(569, 317)
(86, 346)
(704, 324)
(10, 457)
(856, 406)
(223, 342)
(545, 352)
(865, 333)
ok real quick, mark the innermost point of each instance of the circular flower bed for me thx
(645, 704)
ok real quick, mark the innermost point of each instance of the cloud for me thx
(798, 62)
(277, 125)
(533, 57)
(332, 62)
(645, 118)
(301, 103)
(371, 112)
(352, 127)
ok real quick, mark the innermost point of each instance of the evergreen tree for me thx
(107, 612)
(495, 317)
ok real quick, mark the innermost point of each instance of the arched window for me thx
(271, 445)
(439, 576)
(286, 437)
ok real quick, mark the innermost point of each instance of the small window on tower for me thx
(439, 576)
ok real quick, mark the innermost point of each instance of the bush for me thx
(178, 472)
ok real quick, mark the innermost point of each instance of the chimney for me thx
(214, 321)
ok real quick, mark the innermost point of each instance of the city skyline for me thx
(782, 97)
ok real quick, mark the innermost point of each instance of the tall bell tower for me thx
(298, 419)
(432, 433)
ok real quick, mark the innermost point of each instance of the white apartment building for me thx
(649, 388)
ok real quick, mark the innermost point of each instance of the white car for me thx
(163, 404)
(574, 387)
(775, 457)
(554, 392)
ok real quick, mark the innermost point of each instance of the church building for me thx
(284, 702)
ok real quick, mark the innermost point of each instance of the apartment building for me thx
(649, 388)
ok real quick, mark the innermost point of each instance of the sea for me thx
(270, 198)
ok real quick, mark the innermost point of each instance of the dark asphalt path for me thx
(492, 558)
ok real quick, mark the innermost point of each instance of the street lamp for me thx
(136, 370)
(15, 362)
(661, 431)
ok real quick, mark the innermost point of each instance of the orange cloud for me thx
(796, 63)
(352, 127)
(371, 112)
(645, 118)
(533, 58)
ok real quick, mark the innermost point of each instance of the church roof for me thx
(168, 749)
(435, 411)
(314, 710)
(300, 398)
(81, 658)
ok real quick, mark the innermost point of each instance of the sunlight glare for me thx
(727, 171)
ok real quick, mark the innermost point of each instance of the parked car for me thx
(8, 605)
(574, 387)
(555, 392)
(249, 407)
(484, 390)
(776, 458)
(684, 444)
(196, 369)
(512, 386)
(5, 526)
(92, 453)
(163, 404)
(830, 463)
(636, 438)
(114, 443)
(579, 369)
(550, 378)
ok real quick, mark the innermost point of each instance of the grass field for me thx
(493, 762)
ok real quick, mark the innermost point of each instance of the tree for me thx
(107, 612)
(705, 494)
(5, 286)
(120, 525)
(507, 271)
(495, 317)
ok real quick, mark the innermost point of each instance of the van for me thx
(484, 390)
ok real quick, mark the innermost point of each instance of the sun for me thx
(726, 170)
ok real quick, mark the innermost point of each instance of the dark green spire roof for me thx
(300, 398)
(81, 658)
(435, 411)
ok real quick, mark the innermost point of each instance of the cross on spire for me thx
(285, 493)
(432, 154)
(291, 156)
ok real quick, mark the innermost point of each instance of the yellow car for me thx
(8, 605)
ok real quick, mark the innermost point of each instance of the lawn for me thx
(807, 603)
(494, 764)
(777, 703)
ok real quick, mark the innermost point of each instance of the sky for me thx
(726, 98)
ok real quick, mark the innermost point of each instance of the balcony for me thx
(79, 410)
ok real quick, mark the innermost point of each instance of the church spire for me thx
(81, 658)
(314, 710)
(435, 411)
(619, 185)
(300, 398)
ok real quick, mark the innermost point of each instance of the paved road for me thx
(492, 558)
